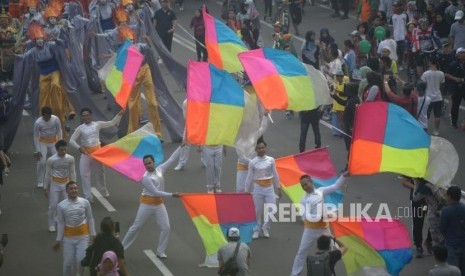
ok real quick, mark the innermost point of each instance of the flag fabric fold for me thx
(375, 247)
(280, 79)
(214, 214)
(120, 72)
(387, 138)
(125, 155)
(316, 163)
(223, 45)
(215, 105)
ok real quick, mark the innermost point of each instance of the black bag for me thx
(318, 265)
(230, 267)
(85, 262)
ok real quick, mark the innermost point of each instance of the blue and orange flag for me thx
(215, 105)
(280, 79)
(214, 214)
(375, 247)
(387, 138)
(316, 163)
(123, 72)
(223, 45)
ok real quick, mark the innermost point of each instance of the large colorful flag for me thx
(125, 155)
(222, 44)
(316, 163)
(214, 214)
(387, 138)
(374, 246)
(215, 105)
(280, 79)
(120, 72)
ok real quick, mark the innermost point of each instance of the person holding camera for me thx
(323, 262)
(234, 249)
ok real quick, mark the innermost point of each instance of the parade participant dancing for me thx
(89, 135)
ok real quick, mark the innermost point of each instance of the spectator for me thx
(199, 34)
(423, 104)
(374, 91)
(387, 73)
(350, 58)
(446, 57)
(311, 50)
(407, 100)
(434, 78)
(391, 44)
(307, 118)
(165, 23)
(268, 10)
(325, 255)
(106, 241)
(442, 268)
(109, 265)
(362, 29)
(232, 22)
(338, 109)
(243, 254)
(250, 34)
(423, 40)
(296, 14)
(399, 22)
(366, 9)
(363, 82)
(335, 64)
(325, 37)
(450, 11)
(452, 225)
(456, 74)
(441, 28)
(386, 7)
(457, 31)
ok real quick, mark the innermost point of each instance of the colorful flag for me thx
(387, 138)
(280, 79)
(215, 105)
(122, 72)
(316, 163)
(125, 155)
(374, 246)
(214, 214)
(222, 44)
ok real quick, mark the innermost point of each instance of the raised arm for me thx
(113, 122)
(173, 158)
(332, 188)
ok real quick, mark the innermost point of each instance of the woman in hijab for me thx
(310, 50)
(109, 265)
(325, 37)
(363, 82)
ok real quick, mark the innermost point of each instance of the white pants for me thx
(262, 195)
(184, 154)
(85, 167)
(56, 195)
(44, 150)
(213, 157)
(309, 236)
(74, 250)
(160, 215)
(240, 180)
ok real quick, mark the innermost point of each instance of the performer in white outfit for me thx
(75, 223)
(213, 159)
(89, 135)
(60, 170)
(151, 203)
(312, 211)
(262, 173)
(47, 131)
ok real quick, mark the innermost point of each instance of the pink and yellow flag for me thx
(223, 45)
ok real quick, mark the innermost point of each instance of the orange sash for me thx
(151, 200)
(76, 231)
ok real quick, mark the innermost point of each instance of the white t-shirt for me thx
(334, 66)
(423, 117)
(399, 21)
(391, 43)
(433, 81)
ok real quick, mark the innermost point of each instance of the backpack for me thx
(318, 265)
(5, 103)
(230, 267)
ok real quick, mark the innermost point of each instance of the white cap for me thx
(460, 50)
(234, 232)
(458, 15)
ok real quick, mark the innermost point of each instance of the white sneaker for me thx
(266, 233)
(162, 256)
(160, 61)
(179, 167)
(435, 132)
(105, 193)
(52, 229)
(255, 235)
(210, 190)
(218, 190)
(40, 185)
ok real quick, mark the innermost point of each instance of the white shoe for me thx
(255, 235)
(266, 233)
(218, 190)
(162, 256)
(179, 167)
(40, 185)
(160, 61)
(210, 190)
(435, 132)
(52, 229)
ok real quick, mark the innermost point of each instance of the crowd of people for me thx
(411, 54)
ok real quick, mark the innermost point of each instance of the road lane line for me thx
(103, 200)
(159, 264)
(183, 44)
(185, 40)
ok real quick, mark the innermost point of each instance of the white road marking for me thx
(185, 40)
(184, 44)
(103, 200)
(159, 264)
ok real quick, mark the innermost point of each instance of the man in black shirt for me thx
(165, 23)
(456, 74)
(324, 248)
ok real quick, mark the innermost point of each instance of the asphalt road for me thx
(24, 208)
